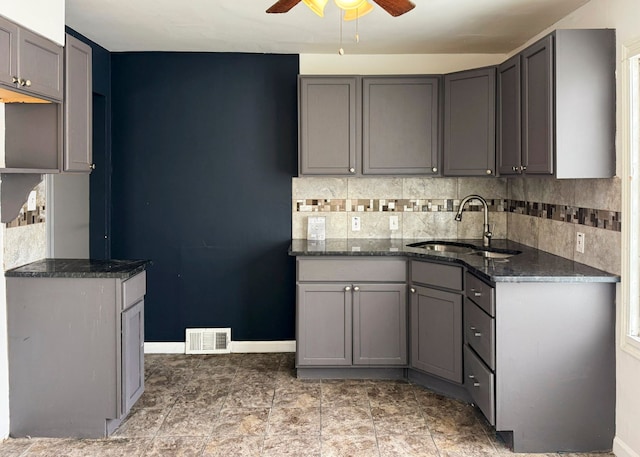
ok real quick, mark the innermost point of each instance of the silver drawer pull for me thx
(413, 290)
(476, 293)
(476, 384)
(475, 332)
(347, 288)
(356, 288)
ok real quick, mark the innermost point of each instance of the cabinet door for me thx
(436, 332)
(537, 107)
(8, 51)
(78, 111)
(323, 325)
(470, 123)
(380, 324)
(40, 63)
(328, 125)
(400, 125)
(132, 355)
(509, 117)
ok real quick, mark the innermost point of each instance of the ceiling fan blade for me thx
(282, 6)
(395, 7)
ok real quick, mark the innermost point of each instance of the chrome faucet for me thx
(486, 231)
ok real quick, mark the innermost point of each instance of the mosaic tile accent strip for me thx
(28, 217)
(598, 218)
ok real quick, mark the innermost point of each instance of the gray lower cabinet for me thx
(436, 319)
(346, 315)
(469, 123)
(540, 362)
(556, 106)
(400, 125)
(75, 347)
(328, 124)
(78, 111)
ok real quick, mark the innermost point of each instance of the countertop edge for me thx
(125, 272)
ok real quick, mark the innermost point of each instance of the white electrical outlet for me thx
(355, 224)
(580, 242)
(31, 201)
(393, 222)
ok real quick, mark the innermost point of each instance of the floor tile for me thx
(352, 446)
(175, 446)
(117, 447)
(407, 446)
(398, 419)
(294, 421)
(14, 447)
(187, 419)
(204, 397)
(297, 395)
(346, 420)
(390, 391)
(242, 421)
(294, 446)
(464, 445)
(231, 446)
(252, 396)
(456, 418)
(142, 423)
(344, 393)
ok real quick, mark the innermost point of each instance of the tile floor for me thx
(252, 405)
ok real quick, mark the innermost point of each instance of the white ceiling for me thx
(433, 26)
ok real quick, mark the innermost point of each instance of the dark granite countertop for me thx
(532, 265)
(79, 268)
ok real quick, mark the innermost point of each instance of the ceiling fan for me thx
(393, 7)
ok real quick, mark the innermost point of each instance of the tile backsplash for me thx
(541, 212)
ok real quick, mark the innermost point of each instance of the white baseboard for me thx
(236, 346)
(621, 449)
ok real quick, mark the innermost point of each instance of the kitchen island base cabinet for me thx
(76, 363)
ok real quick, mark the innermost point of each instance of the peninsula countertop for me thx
(79, 268)
(532, 265)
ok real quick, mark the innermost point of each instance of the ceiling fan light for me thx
(317, 6)
(356, 13)
(350, 4)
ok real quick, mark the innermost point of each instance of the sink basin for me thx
(497, 255)
(443, 246)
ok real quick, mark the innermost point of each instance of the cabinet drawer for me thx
(348, 270)
(438, 275)
(133, 289)
(481, 293)
(479, 381)
(479, 332)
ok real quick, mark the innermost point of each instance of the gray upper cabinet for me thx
(537, 107)
(78, 110)
(400, 125)
(40, 64)
(329, 136)
(8, 51)
(469, 123)
(567, 96)
(509, 141)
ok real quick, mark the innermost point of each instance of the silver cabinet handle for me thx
(514, 168)
(434, 169)
(16, 80)
(92, 166)
(475, 332)
(475, 383)
(356, 288)
(347, 288)
(476, 293)
(352, 170)
(489, 172)
(413, 290)
(523, 168)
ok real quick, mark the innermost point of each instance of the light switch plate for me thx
(355, 224)
(393, 223)
(580, 242)
(31, 201)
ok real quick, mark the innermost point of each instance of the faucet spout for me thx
(486, 230)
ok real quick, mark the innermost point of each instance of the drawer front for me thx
(480, 384)
(352, 270)
(436, 274)
(480, 333)
(481, 293)
(133, 289)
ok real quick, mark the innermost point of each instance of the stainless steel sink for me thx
(463, 248)
(496, 255)
(440, 246)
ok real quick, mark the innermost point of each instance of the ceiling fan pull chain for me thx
(341, 50)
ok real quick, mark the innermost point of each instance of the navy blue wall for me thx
(204, 148)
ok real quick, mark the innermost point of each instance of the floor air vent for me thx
(208, 341)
